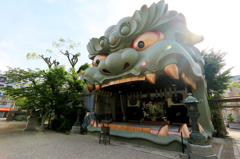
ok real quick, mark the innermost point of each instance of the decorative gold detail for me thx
(90, 88)
(134, 78)
(122, 81)
(171, 70)
(141, 78)
(137, 78)
(111, 83)
(151, 77)
(116, 82)
(128, 79)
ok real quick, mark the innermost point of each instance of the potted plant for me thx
(230, 119)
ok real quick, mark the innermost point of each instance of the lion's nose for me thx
(117, 63)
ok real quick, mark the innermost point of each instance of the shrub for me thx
(230, 118)
(56, 123)
(23, 117)
(66, 125)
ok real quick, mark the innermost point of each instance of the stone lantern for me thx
(77, 126)
(198, 146)
(196, 137)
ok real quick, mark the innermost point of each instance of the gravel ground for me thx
(16, 144)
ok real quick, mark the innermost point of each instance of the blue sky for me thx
(28, 26)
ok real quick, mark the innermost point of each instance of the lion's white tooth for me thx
(97, 88)
(171, 70)
(90, 88)
(151, 77)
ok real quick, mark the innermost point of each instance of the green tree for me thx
(34, 91)
(52, 90)
(234, 84)
(67, 97)
(217, 82)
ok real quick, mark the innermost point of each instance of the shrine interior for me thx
(146, 103)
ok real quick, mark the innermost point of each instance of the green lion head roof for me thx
(152, 44)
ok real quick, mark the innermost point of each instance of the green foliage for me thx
(33, 55)
(234, 84)
(66, 125)
(56, 123)
(23, 117)
(217, 83)
(218, 122)
(52, 90)
(230, 118)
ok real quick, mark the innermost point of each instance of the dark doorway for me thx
(177, 114)
(119, 114)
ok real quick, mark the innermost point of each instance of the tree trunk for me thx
(49, 120)
(43, 120)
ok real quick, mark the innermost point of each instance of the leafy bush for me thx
(56, 123)
(66, 125)
(230, 118)
(23, 117)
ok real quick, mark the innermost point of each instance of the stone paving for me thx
(14, 144)
(235, 135)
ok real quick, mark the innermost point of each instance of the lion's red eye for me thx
(145, 40)
(97, 59)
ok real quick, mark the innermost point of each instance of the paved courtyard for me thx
(16, 144)
(235, 135)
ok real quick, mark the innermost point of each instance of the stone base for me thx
(75, 130)
(183, 156)
(200, 152)
(234, 125)
(31, 124)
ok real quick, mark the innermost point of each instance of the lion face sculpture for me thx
(151, 44)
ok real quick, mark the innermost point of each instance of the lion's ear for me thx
(189, 38)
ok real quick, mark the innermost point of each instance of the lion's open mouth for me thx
(150, 82)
